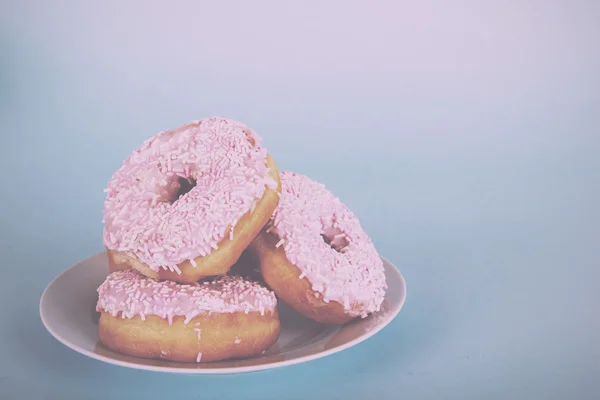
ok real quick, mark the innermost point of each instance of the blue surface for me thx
(466, 137)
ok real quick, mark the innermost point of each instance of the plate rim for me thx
(224, 370)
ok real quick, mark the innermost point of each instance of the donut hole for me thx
(336, 239)
(183, 186)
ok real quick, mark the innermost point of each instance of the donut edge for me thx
(222, 336)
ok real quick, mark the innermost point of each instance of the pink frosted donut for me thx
(316, 257)
(217, 319)
(188, 202)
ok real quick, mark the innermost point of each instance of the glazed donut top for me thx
(324, 239)
(132, 294)
(220, 159)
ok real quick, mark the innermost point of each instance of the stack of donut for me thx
(182, 214)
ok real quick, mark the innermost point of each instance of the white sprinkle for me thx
(282, 241)
(199, 357)
(189, 318)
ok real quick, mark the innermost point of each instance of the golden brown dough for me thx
(218, 336)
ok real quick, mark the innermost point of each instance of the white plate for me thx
(67, 308)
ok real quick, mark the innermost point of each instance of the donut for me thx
(316, 257)
(187, 203)
(217, 319)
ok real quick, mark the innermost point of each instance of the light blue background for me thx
(465, 136)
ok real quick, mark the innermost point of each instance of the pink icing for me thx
(132, 294)
(142, 214)
(324, 239)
